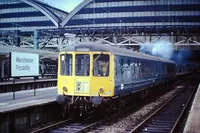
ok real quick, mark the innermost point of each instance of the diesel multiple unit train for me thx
(90, 74)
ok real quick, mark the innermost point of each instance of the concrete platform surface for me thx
(193, 121)
(24, 99)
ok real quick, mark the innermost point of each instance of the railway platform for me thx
(25, 99)
(28, 110)
(26, 84)
(193, 121)
(26, 80)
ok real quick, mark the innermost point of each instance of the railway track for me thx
(94, 124)
(80, 126)
(52, 126)
(165, 119)
(73, 125)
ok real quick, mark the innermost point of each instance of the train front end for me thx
(85, 79)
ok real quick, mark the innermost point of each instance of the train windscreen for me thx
(66, 64)
(82, 64)
(100, 65)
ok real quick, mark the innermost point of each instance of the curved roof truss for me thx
(46, 12)
(78, 8)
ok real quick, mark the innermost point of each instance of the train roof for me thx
(114, 50)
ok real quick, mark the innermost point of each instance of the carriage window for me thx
(129, 62)
(148, 69)
(82, 64)
(138, 69)
(115, 68)
(122, 62)
(101, 65)
(132, 65)
(66, 64)
(143, 68)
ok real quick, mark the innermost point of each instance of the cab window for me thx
(82, 65)
(66, 64)
(101, 65)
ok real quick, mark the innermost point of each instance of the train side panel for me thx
(167, 71)
(132, 74)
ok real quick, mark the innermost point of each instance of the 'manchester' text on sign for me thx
(24, 64)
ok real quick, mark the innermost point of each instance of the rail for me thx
(49, 127)
(93, 123)
(168, 115)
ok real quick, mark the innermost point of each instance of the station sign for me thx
(24, 64)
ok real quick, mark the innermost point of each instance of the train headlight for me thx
(64, 88)
(101, 90)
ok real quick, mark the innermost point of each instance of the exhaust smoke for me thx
(160, 48)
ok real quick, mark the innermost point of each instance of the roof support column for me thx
(16, 39)
(2, 69)
(35, 41)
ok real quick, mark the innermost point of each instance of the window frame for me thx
(64, 72)
(75, 72)
(108, 69)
